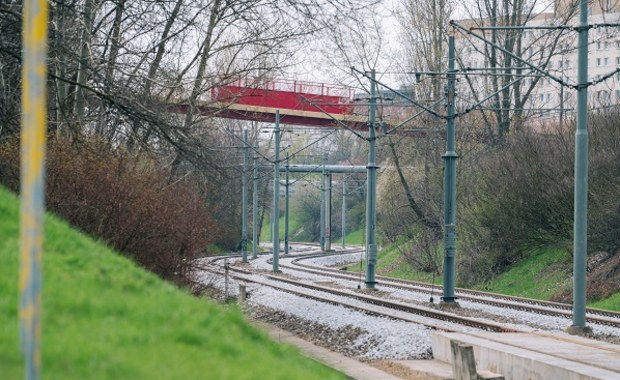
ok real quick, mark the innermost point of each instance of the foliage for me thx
(604, 183)
(409, 194)
(140, 75)
(105, 318)
(126, 200)
(523, 197)
(307, 210)
(512, 199)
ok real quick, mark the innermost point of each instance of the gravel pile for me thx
(349, 332)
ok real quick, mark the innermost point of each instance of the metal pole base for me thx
(448, 303)
(579, 330)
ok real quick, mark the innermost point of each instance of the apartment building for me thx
(553, 51)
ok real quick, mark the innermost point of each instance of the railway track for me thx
(359, 301)
(298, 263)
(326, 305)
(555, 309)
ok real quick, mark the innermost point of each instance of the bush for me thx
(307, 207)
(523, 198)
(127, 200)
(604, 184)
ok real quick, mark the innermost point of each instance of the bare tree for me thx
(424, 28)
(510, 82)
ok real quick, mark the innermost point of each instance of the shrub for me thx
(604, 184)
(523, 197)
(127, 200)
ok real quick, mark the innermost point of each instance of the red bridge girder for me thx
(268, 115)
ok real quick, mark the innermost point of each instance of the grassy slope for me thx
(265, 232)
(105, 318)
(541, 275)
(544, 273)
(611, 303)
(353, 237)
(390, 264)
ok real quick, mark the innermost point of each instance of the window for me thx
(605, 61)
(618, 44)
(598, 62)
(618, 61)
(598, 45)
(617, 95)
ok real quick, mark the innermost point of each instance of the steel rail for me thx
(598, 316)
(393, 305)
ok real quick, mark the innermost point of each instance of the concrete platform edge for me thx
(515, 362)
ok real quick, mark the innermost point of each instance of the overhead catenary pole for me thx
(244, 192)
(580, 223)
(344, 211)
(286, 209)
(33, 142)
(371, 211)
(276, 197)
(328, 212)
(255, 205)
(322, 210)
(450, 157)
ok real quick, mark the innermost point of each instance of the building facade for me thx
(547, 41)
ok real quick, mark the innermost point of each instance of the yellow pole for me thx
(33, 142)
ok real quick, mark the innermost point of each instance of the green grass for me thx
(391, 264)
(611, 303)
(352, 238)
(106, 318)
(542, 274)
(355, 237)
(265, 232)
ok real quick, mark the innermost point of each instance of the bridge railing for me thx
(282, 94)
